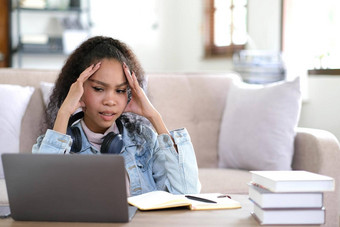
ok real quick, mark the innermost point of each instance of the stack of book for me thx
(289, 197)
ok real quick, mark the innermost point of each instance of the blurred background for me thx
(263, 40)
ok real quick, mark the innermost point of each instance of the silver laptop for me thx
(67, 188)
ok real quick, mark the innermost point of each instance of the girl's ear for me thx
(82, 104)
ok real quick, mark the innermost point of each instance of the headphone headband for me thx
(75, 117)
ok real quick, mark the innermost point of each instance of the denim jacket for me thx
(151, 161)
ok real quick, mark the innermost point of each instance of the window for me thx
(226, 27)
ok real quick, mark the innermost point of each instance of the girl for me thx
(104, 79)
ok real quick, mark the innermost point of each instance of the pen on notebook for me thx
(223, 196)
(200, 199)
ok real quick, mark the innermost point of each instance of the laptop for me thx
(67, 188)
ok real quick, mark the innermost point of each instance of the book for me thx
(267, 199)
(309, 216)
(162, 200)
(292, 181)
(34, 4)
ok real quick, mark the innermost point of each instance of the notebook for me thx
(67, 188)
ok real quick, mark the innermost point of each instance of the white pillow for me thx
(258, 126)
(13, 102)
(46, 91)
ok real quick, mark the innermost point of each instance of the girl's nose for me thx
(108, 102)
(109, 99)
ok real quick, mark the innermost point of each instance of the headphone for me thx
(112, 144)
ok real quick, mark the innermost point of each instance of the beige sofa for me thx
(183, 102)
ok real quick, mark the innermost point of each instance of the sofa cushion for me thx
(231, 181)
(196, 102)
(46, 91)
(13, 101)
(258, 126)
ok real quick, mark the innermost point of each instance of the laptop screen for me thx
(81, 188)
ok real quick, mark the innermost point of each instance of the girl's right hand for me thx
(73, 99)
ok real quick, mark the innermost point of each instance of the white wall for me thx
(264, 25)
(322, 109)
(170, 39)
(175, 42)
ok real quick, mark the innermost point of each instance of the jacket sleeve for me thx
(180, 168)
(52, 143)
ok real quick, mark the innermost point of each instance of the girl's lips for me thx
(107, 116)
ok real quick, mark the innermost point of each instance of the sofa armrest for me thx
(318, 151)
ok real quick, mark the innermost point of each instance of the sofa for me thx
(197, 102)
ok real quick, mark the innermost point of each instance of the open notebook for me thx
(162, 200)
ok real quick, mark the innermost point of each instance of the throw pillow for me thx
(46, 91)
(13, 101)
(258, 126)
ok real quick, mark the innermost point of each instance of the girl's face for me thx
(105, 96)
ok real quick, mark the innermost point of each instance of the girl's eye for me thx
(98, 89)
(121, 91)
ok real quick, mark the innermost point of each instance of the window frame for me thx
(210, 49)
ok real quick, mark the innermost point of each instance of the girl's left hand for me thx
(139, 103)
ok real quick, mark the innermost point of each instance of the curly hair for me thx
(90, 52)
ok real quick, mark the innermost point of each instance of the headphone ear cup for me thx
(112, 144)
(75, 134)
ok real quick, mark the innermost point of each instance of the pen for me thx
(200, 199)
(223, 196)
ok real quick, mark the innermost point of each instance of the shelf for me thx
(56, 52)
(71, 9)
(54, 45)
(75, 15)
(328, 72)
